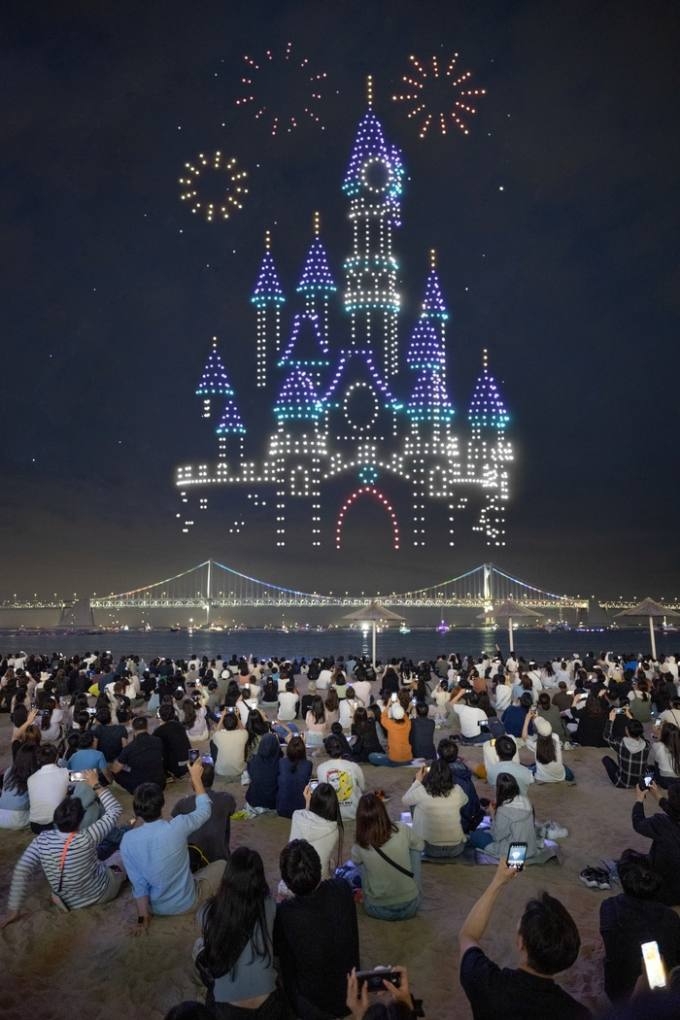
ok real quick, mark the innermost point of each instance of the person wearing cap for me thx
(393, 719)
(547, 750)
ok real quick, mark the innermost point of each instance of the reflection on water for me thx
(419, 644)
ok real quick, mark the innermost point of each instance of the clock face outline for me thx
(376, 175)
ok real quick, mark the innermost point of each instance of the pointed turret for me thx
(214, 381)
(317, 283)
(429, 401)
(231, 423)
(298, 399)
(487, 408)
(267, 297)
(434, 306)
(425, 349)
(307, 348)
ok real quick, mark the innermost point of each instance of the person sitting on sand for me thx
(632, 752)
(211, 841)
(663, 828)
(631, 918)
(503, 756)
(263, 769)
(548, 942)
(589, 720)
(174, 737)
(546, 748)
(422, 733)
(141, 760)
(156, 854)
(320, 824)
(397, 725)
(316, 936)
(436, 803)
(228, 745)
(294, 774)
(317, 724)
(68, 857)
(664, 755)
(345, 776)
(472, 718)
(471, 814)
(391, 1002)
(388, 856)
(512, 821)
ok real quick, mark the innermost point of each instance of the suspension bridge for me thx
(212, 585)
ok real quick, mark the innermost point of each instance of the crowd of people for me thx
(303, 740)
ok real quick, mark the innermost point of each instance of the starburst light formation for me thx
(231, 181)
(275, 83)
(438, 96)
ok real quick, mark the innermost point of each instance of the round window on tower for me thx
(360, 407)
(376, 175)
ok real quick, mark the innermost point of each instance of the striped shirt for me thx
(85, 877)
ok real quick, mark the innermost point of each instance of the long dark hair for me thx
(317, 709)
(545, 750)
(24, 765)
(189, 710)
(236, 915)
(324, 803)
(506, 788)
(438, 781)
(670, 737)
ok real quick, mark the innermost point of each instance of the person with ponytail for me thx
(664, 754)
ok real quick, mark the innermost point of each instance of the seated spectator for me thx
(345, 776)
(289, 702)
(316, 936)
(512, 821)
(473, 719)
(317, 724)
(503, 756)
(195, 719)
(639, 701)
(634, 917)
(175, 741)
(14, 796)
(211, 841)
(263, 769)
(514, 716)
(111, 737)
(320, 824)
(332, 707)
(228, 745)
(471, 814)
(436, 804)
(46, 788)
(394, 721)
(68, 857)
(670, 715)
(236, 951)
(140, 761)
(561, 699)
(545, 709)
(156, 854)
(257, 725)
(392, 1002)
(294, 775)
(365, 740)
(587, 727)
(548, 942)
(663, 828)
(348, 706)
(664, 754)
(632, 752)
(307, 699)
(546, 748)
(388, 856)
(421, 736)
(88, 756)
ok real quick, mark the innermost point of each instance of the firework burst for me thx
(282, 90)
(219, 171)
(439, 96)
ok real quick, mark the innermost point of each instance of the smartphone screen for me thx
(517, 855)
(656, 972)
(76, 777)
(313, 783)
(194, 754)
(648, 780)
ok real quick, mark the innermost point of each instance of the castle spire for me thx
(267, 297)
(214, 381)
(487, 408)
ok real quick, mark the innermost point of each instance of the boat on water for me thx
(404, 629)
(443, 627)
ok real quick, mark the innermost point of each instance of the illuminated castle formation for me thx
(340, 421)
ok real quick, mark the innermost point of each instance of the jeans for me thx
(443, 852)
(481, 738)
(568, 774)
(397, 911)
(480, 838)
(377, 758)
(612, 770)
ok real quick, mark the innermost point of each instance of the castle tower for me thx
(317, 283)
(267, 298)
(307, 348)
(297, 450)
(489, 453)
(434, 308)
(373, 183)
(230, 425)
(214, 381)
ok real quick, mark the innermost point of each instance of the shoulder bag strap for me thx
(62, 859)
(394, 864)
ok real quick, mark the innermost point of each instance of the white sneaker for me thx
(555, 831)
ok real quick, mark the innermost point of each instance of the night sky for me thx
(556, 221)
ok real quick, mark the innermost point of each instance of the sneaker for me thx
(568, 746)
(588, 878)
(555, 831)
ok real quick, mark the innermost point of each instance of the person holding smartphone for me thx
(548, 943)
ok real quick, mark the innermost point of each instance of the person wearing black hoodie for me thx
(663, 829)
(263, 769)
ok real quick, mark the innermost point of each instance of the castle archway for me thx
(370, 492)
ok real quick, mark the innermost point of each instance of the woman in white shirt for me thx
(664, 754)
(52, 719)
(436, 802)
(195, 721)
(547, 749)
(347, 708)
(320, 823)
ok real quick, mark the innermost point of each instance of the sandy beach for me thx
(59, 966)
